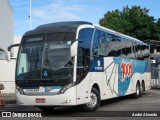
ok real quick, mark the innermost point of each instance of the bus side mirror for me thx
(8, 52)
(3, 54)
(8, 56)
(74, 48)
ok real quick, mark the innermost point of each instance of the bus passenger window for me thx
(102, 44)
(139, 51)
(99, 44)
(145, 52)
(122, 47)
(135, 50)
(129, 49)
(95, 44)
(111, 49)
(119, 48)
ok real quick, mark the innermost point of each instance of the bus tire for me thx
(94, 101)
(143, 86)
(138, 92)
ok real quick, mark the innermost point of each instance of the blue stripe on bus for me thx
(124, 79)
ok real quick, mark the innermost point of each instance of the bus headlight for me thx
(63, 89)
(20, 90)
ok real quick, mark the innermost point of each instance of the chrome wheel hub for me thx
(93, 100)
(137, 90)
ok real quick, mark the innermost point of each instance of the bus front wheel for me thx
(94, 101)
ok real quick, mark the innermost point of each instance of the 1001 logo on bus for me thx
(126, 68)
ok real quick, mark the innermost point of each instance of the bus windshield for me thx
(45, 57)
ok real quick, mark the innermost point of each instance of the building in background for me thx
(7, 69)
(6, 23)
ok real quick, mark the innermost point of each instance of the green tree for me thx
(157, 29)
(134, 21)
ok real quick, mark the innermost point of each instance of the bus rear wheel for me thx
(94, 101)
(138, 92)
(143, 87)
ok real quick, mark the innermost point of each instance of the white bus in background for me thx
(79, 63)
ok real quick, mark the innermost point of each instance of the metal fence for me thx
(155, 75)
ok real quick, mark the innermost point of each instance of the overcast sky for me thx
(49, 11)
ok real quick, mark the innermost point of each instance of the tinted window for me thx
(121, 49)
(83, 58)
(99, 44)
(145, 52)
(85, 36)
(105, 44)
(111, 45)
(123, 45)
(139, 51)
(135, 50)
(129, 50)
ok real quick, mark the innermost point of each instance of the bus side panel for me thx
(147, 80)
(147, 77)
(110, 78)
(85, 86)
(96, 71)
(83, 90)
(129, 72)
(141, 72)
(96, 78)
(117, 77)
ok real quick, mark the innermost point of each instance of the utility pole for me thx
(30, 16)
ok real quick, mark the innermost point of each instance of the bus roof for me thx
(69, 26)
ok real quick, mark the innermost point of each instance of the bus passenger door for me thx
(82, 76)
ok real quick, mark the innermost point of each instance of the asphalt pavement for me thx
(146, 106)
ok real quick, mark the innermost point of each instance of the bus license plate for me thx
(40, 100)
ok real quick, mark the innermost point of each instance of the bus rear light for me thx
(40, 100)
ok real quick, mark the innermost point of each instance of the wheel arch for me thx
(143, 84)
(97, 86)
(138, 82)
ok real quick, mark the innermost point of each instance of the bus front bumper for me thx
(66, 99)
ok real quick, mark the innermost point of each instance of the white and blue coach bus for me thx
(79, 63)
